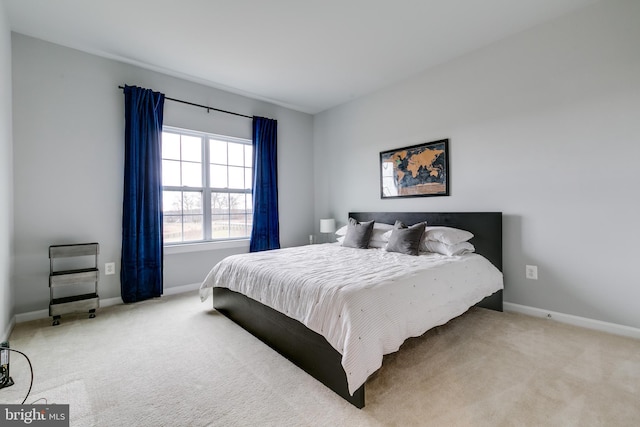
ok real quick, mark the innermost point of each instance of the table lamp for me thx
(328, 226)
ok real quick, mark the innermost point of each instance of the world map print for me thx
(419, 170)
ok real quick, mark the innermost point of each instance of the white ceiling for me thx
(308, 55)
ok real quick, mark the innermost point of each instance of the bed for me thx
(311, 344)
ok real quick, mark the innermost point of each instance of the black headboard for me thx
(485, 226)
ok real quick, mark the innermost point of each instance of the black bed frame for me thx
(311, 351)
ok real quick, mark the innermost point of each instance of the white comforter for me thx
(365, 302)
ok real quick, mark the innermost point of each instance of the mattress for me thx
(364, 302)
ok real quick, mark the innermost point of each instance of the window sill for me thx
(205, 246)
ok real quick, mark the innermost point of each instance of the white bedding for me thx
(365, 302)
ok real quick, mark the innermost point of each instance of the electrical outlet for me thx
(110, 268)
(531, 272)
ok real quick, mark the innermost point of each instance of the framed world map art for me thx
(416, 171)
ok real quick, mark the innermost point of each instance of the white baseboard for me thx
(106, 302)
(182, 289)
(612, 328)
(32, 315)
(7, 332)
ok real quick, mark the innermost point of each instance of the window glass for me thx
(218, 151)
(248, 155)
(207, 186)
(248, 178)
(236, 177)
(170, 146)
(171, 173)
(236, 154)
(192, 228)
(191, 174)
(191, 148)
(218, 176)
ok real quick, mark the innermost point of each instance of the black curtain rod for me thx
(202, 106)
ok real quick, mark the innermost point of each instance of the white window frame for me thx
(208, 242)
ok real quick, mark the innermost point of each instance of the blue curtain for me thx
(141, 272)
(265, 234)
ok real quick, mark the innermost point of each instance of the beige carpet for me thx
(176, 362)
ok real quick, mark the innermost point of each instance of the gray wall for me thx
(6, 177)
(68, 116)
(543, 126)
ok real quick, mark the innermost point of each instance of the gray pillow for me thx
(358, 234)
(406, 240)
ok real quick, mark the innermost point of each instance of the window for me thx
(206, 183)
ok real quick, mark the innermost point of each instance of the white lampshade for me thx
(327, 225)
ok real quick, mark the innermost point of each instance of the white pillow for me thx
(379, 229)
(342, 231)
(444, 249)
(447, 235)
(379, 244)
(382, 226)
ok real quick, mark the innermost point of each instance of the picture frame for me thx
(420, 170)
